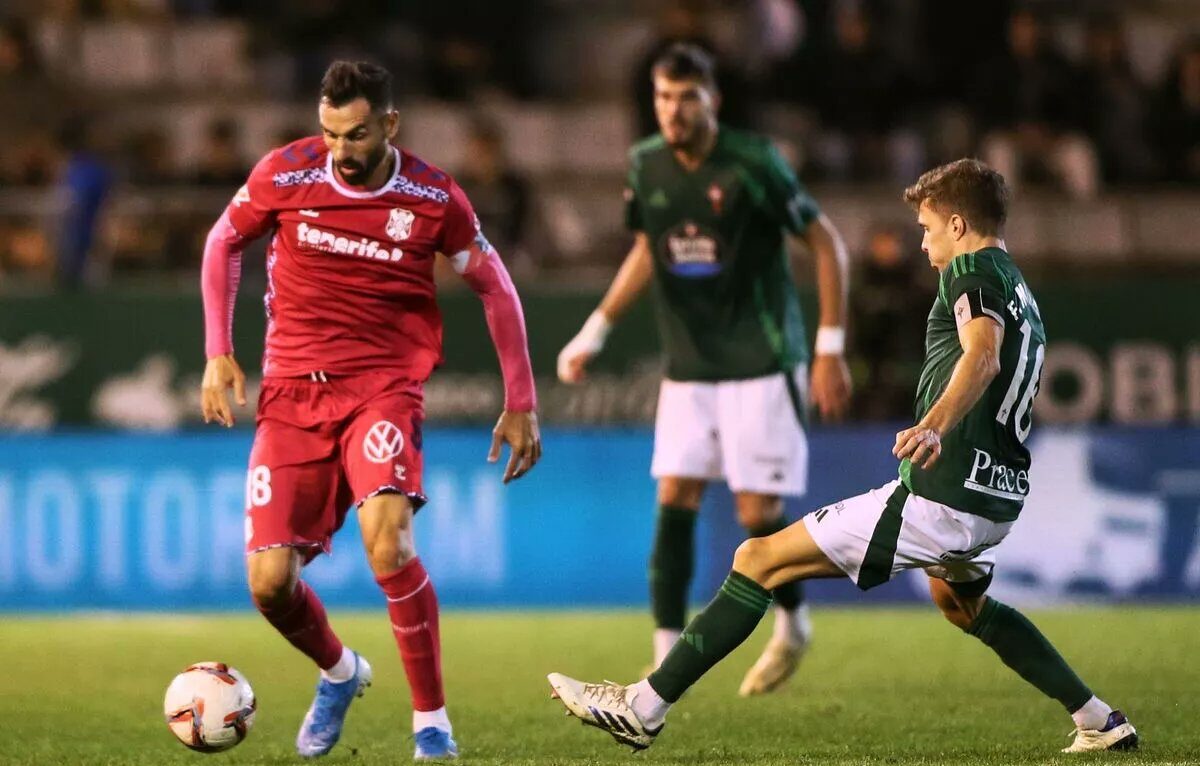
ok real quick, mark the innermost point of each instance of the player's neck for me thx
(379, 176)
(692, 157)
(973, 244)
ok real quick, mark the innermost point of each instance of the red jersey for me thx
(350, 284)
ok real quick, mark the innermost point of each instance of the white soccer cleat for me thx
(605, 706)
(1118, 734)
(777, 663)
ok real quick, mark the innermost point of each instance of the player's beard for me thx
(356, 173)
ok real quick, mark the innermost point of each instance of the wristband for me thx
(830, 340)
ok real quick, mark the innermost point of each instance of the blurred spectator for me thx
(38, 105)
(1177, 115)
(1113, 103)
(860, 94)
(891, 301)
(501, 196)
(221, 163)
(1030, 115)
(84, 184)
(684, 21)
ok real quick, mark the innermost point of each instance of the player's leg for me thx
(1022, 647)
(765, 458)
(292, 494)
(381, 454)
(386, 522)
(635, 714)
(293, 609)
(761, 515)
(672, 558)
(686, 455)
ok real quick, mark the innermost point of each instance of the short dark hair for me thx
(967, 187)
(687, 61)
(345, 81)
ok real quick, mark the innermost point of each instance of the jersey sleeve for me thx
(971, 289)
(633, 203)
(459, 226)
(786, 198)
(252, 210)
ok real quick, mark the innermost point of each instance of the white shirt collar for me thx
(331, 176)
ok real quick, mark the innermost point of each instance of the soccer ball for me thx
(209, 707)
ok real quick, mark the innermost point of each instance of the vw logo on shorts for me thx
(382, 442)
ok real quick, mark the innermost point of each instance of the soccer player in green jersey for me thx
(964, 475)
(710, 208)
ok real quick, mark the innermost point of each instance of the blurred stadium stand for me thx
(148, 81)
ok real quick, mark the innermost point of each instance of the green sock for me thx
(721, 627)
(671, 565)
(789, 595)
(1023, 648)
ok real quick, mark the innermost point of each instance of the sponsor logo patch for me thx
(383, 442)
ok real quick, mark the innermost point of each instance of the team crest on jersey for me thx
(383, 442)
(400, 222)
(716, 196)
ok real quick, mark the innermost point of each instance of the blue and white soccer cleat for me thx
(605, 706)
(323, 723)
(434, 744)
(1118, 734)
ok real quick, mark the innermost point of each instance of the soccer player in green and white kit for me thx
(964, 475)
(710, 207)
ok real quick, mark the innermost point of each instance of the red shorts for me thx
(322, 446)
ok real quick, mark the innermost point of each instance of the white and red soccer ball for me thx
(209, 707)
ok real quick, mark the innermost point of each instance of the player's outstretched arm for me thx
(631, 280)
(830, 384)
(973, 373)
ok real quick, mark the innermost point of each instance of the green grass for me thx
(880, 687)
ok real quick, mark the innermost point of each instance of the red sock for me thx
(413, 608)
(303, 622)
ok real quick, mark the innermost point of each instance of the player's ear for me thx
(958, 226)
(391, 124)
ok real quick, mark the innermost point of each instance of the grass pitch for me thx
(879, 687)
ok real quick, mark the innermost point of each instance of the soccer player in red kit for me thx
(353, 332)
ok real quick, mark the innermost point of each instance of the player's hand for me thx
(572, 364)
(830, 386)
(573, 359)
(220, 374)
(520, 431)
(920, 444)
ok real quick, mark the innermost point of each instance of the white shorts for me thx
(873, 536)
(747, 432)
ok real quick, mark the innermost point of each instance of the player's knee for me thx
(680, 493)
(271, 587)
(954, 608)
(756, 511)
(752, 558)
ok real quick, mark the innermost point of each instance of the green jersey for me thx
(727, 304)
(984, 466)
